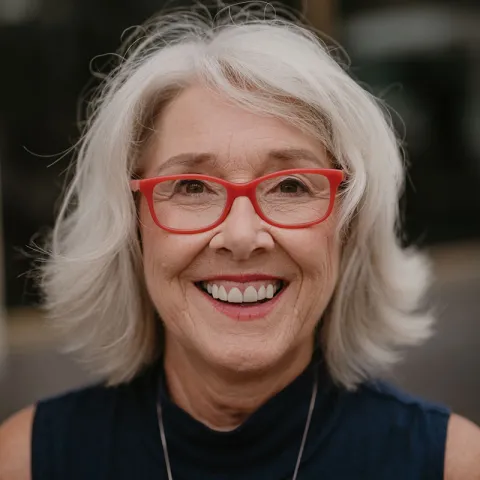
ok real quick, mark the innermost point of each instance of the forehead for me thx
(202, 130)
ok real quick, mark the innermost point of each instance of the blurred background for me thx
(422, 57)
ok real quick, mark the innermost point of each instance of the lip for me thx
(243, 278)
(245, 312)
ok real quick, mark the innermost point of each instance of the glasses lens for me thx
(188, 203)
(294, 199)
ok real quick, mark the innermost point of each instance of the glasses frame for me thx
(235, 190)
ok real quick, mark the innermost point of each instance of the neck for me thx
(220, 399)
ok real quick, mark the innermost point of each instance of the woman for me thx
(226, 258)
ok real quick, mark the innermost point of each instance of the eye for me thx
(190, 187)
(292, 186)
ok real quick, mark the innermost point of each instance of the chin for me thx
(247, 356)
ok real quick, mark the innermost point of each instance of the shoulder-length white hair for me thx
(93, 278)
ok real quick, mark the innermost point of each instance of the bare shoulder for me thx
(462, 456)
(15, 446)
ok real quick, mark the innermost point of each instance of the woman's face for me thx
(243, 251)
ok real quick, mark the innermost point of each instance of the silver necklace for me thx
(302, 445)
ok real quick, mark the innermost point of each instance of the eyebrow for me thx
(196, 160)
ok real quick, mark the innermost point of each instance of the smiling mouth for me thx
(245, 297)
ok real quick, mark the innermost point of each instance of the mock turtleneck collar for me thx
(268, 440)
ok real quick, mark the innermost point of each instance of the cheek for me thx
(316, 251)
(151, 238)
(165, 256)
(319, 263)
(323, 262)
(156, 248)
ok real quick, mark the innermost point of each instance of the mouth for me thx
(244, 295)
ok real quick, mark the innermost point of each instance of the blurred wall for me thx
(3, 326)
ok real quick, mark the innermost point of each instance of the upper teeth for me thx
(250, 295)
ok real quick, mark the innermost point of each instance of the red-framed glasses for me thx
(187, 203)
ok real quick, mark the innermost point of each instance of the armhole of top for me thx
(429, 434)
(437, 427)
(71, 435)
(41, 463)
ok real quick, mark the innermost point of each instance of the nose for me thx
(243, 233)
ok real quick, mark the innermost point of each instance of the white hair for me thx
(93, 278)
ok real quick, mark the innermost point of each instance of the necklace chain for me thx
(313, 399)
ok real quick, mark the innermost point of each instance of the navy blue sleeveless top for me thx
(376, 432)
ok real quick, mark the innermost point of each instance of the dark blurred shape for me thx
(423, 59)
(351, 7)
